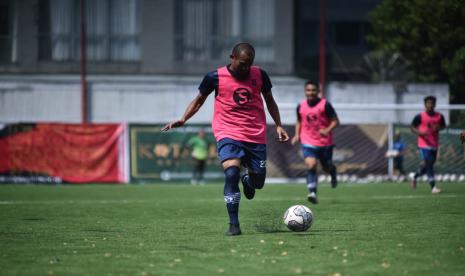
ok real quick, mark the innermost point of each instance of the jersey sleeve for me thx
(329, 110)
(416, 120)
(298, 113)
(266, 82)
(442, 123)
(209, 83)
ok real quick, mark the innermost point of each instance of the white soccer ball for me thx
(298, 218)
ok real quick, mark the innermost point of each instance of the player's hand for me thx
(282, 134)
(295, 140)
(324, 132)
(422, 133)
(462, 137)
(174, 124)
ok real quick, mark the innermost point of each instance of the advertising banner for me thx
(165, 156)
(73, 153)
(359, 150)
(157, 155)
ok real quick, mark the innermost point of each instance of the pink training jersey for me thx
(238, 111)
(431, 125)
(312, 120)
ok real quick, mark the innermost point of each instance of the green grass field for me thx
(372, 229)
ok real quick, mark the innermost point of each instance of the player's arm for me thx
(191, 109)
(330, 113)
(442, 123)
(274, 112)
(414, 125)
(334, 123)
(298, 128)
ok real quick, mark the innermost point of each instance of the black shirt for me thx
(329, 110)
(210, 82)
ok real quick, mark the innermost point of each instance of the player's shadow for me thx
(267, 229)
(34, 219)
(330, 231)
(315, 232)
(267, 222)
(101, 230)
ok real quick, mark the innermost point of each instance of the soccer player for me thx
(239, 124)
(462, 137)
(199, 153)
(399, 148)
(316, 119)
(427, 125)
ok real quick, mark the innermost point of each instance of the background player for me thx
(199, 152)
(239, 124)
(316, 119)
(427, 125)
(397, 154)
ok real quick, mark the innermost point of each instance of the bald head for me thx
(245, 48)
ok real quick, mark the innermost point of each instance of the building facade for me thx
(186, 37)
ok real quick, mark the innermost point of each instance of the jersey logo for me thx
(262, 163)
(311, 118)
(241, 96)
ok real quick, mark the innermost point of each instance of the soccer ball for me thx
(298, 218)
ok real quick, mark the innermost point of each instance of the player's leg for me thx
(232, 194)
(201, 171)
(422, 169)
(312, 179)
(399, 165)
(310, 158)
(326, 160)
(230, 156)
(195, 172)
(432, 153)
(255, 161)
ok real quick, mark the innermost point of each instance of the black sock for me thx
(430, 174)
(312, 181)
(421, 171)
(232, 194)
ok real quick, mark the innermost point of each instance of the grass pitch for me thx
(372, 229)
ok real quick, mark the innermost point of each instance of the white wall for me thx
(410, 95)
(159, 99)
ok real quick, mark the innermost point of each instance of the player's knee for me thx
(257, 180)
(232, 174)
(311, 164)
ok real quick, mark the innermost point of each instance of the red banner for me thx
(72, 152)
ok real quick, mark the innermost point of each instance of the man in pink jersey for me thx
(316, 119)
(427, 126)
(238, 124)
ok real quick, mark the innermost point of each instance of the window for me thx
(348, 33)
(207, 29)
(112, 30)
(7, 32)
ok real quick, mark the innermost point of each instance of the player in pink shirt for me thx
(316, 119)
(427, 126)
(239, 124)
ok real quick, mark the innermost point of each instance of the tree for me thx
(379, 66)
(429, 34)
